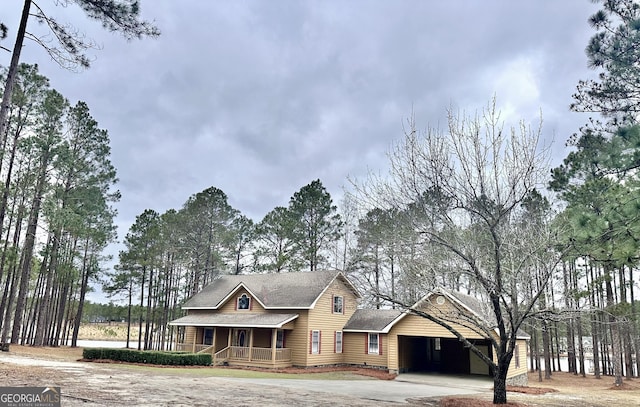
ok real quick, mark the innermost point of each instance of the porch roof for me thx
(372, 320)
(236, 320)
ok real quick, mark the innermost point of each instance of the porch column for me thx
(195, 335)
(229, 338)
(274, 338)
(213, 343)
(250, 343)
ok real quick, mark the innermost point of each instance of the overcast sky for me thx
(259, 98)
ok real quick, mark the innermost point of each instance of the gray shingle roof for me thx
(248, 320)
(275, 290)
(371, 320)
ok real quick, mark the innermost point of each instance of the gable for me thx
(241, 300)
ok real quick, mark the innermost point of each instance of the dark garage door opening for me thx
(440, 355)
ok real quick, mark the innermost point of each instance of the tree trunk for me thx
(594, 328)
(13, 67)
(580, 346)
(568, 302)
(27, 253)
(86, 269)
(144, 275)
(500, 381)
(45, 299)
(616, 347)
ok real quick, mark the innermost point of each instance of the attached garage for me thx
(414, 343)
(440, 355)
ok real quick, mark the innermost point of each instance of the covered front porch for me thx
(257, 340)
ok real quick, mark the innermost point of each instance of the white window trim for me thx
(372, 351)
(341, 304)
(339, 343)
(315, 342)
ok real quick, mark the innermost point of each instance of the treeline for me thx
(105, 313)
(56, 213)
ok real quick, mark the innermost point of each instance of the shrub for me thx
(149, 357)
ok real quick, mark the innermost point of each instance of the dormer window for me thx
(244, 302)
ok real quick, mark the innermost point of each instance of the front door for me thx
(240, 338)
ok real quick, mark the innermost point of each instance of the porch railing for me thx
(221, 356)
(188, 347)
(239, 353)
(259, 354)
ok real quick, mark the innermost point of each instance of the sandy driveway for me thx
(90, 384)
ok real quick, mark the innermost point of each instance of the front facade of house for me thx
(312, 319)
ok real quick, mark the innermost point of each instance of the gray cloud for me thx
(259, 98)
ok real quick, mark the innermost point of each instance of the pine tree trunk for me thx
(568, 302)
(616, 348)
(580, 346)
(13, 67)
(86, 270)
(10, 287)
(45, 300)
(594, 325)
(27, 253)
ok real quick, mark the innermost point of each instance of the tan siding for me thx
(513, 371)
(413, 325)
(222, 338)
(297, 339)
(322, 318)
(262, 338)
(230, 305)
(189, 335)
(355, 350)
(292, 324)
(395, 354)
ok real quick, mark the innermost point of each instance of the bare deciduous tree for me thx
(463, 190)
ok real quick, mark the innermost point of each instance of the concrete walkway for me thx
(406, 386)
(480, 383)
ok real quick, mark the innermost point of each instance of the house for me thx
(312, 319)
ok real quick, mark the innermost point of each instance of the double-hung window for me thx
(315, 342)
(374, 344)
(338, 342)
(338, 303)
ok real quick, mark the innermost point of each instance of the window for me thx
(244, 302)
(279, 339)
(437, 344)
(374, 341)
(208, 336)
(315, 342)
(181, 334)
(338, 344)
(337, 304)
(516, 354)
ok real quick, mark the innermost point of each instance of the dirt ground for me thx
(100, 384)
